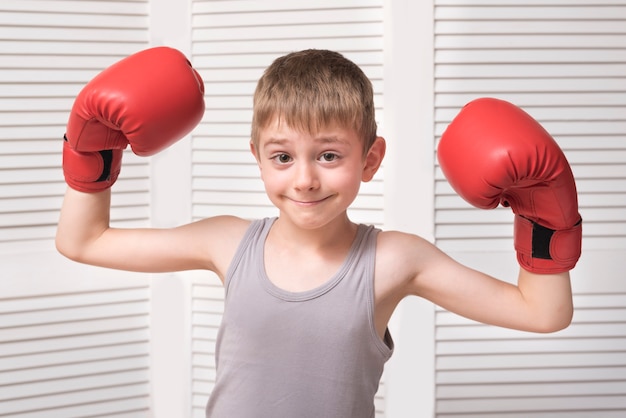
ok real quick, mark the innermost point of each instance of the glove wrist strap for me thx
(91, 172)
(544, 250)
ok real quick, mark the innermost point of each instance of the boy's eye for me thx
(282, 158)
(328, 156)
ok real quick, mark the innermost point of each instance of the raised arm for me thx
(494, 153)
(148, 100)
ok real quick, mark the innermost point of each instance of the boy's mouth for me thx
(309, 202)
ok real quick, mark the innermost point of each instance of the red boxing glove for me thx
(493, 152)
(149, 100)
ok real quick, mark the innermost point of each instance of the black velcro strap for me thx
(541, 241)
(107, 159)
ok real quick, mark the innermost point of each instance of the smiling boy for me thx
(309, 293)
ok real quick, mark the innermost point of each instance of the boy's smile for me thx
(312, 178)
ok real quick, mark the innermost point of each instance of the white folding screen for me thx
(74, 341)
(81, 353)
(232, 43)
(564, 62)
(50, 49)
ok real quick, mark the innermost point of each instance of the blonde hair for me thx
(312, 89)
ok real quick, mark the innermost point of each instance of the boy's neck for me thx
(338, 232)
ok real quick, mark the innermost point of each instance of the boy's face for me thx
(313, 178)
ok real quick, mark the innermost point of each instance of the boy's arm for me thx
(84, 235)
(148, 101)
(494, 153)
(536, 302)
(83, 220)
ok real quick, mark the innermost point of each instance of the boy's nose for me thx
(306, 177)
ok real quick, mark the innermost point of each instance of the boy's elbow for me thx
(557, 321)
(555, 326)
(63, 248)
(66, 248)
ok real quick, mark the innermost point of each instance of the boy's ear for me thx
(253, 150)
(374, 158)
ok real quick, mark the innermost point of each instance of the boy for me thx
(309, 294)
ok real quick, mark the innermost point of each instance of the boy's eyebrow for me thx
(330, 139)
(276, 141)
(321, 139)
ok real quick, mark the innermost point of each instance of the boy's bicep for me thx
(462, 290)
(437, 276)
(84, 235)
(208, 244)
(456, 287)
(537, 303)
(142, 250)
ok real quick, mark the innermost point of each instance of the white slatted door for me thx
(565, 63)
(74, 340)
(48, 54)
(232, 43)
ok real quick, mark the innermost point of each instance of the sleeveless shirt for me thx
(310, 354)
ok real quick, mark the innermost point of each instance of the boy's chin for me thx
(315, 221)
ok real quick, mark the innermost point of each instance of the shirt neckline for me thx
(290, 296)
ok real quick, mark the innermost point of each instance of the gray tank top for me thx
(283, 354)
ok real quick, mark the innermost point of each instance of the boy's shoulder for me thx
(401, 256)
(401, 242)
(220, 237)
(222, 224)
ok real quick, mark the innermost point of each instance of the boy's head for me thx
(312, 89)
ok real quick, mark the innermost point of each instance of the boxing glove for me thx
(495, 153)
(148, 100)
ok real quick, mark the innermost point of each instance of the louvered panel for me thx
(557, 99)
(535, 40)
(482, 370)
(48, 53)
(99, 402)
(207, 308)
(517, 11)
(536, 84)
(563, 62)
(509, 24)
(233, 42)
(582, 413)
(339, 29)
(269, 46)
(75, 354)
(566, 72)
